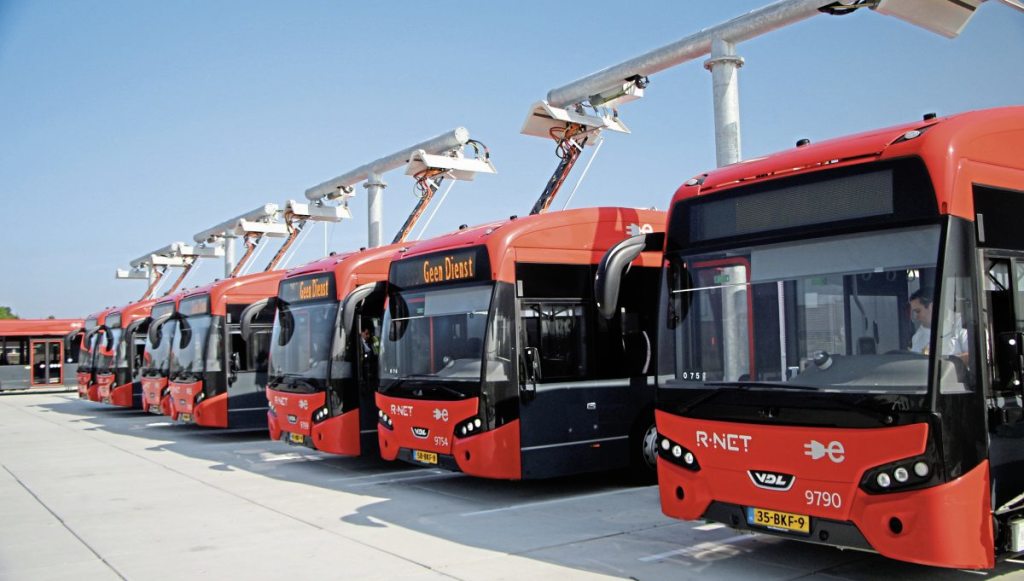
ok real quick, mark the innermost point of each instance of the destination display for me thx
(162, 310)
(114, 321)
(195, 306)
(465, 265)
(309, 288)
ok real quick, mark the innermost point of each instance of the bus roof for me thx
(238, 290)
(352, 269)
(39, 327)
(982, 135)
(578, 236)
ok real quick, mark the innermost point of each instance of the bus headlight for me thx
(200, 396)
(677, 454)
(469, 427)
(384, 420)
(320, 414)
(899, 476)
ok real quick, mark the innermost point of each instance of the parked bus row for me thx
(828, 340)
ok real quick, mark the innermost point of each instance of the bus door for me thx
(247, 368)
(1001, 272)
(47, 362)
(560, 417)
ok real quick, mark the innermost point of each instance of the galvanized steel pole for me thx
(375, 214)
(724, 65)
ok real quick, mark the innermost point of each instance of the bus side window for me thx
(558, 331)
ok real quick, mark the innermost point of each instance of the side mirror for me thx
(155, 325)
(251, 312)
(615, 264)
(352, 301)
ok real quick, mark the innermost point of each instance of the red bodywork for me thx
(335, 434)
(948, 525)
(87, 387)
(488, 454)
(153, 396)
(182, 397)
(934, 519)
(122, 395)
(568, 237)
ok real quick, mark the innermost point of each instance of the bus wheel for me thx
(644, 450)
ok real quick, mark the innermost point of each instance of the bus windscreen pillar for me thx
(375, 214)
(724, 66)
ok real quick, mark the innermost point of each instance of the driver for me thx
(952, 342)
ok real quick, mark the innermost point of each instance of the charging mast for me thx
(445, 151)
(602, 92)
(153, 265)
(252, 227)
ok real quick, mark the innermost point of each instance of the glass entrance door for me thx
(47, 362)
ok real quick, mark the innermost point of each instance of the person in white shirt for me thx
(952, 342)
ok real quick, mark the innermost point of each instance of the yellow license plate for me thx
(425, 457)
(780, 521)
(296, 438)
(185, 417)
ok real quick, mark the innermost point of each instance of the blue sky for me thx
(127, 125)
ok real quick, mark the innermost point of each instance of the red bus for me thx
(156, 359)
(118, 376)
(495, 363)
(804, 393)
(34, 353)
(215, 377)
(323, 373)
(95, 344)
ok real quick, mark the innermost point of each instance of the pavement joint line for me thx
(230, 493)
(526, 552)
(551, 501)
(437, 476)
(369, 476)
(63, 524)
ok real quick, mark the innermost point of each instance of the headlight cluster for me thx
(898, 476)
(677, 454)
(468, 427)
(385, 420)
(320, 414)
(166, 392)
(200, 396)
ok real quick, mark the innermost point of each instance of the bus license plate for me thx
(155, 409)
(185, 417)
(296, 438)
(425, 457)
(780, 521)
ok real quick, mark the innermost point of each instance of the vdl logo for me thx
(420, 433)
(771, 480)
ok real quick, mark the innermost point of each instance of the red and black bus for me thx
(215, 377)
(324, 352)
(94, 345)
(38, 352)
(156, 359)
(841, 332)
(118, 377)
(494, 361)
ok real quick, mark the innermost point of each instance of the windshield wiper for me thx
(743, 386)
(772, 384)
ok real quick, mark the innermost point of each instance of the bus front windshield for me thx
(157, 358)
(108, 341)
(85, 352)
(188, 349)
(300, 345)
(435, 336)
(827, 314)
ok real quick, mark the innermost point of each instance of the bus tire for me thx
(643, 449)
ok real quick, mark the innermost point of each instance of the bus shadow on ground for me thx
(600, 523)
